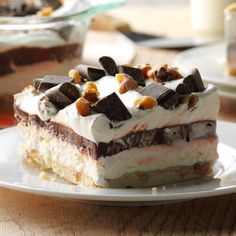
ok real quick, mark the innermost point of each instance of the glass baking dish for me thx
(33, 46)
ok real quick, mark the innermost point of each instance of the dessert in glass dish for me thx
(120, 125)
(40, 37)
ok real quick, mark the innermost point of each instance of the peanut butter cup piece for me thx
(90, 73)
(167, 98)
(135, 73)
(109, 65)
(112, 107)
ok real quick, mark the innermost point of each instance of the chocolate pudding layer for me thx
(23, 56)
(163, 136)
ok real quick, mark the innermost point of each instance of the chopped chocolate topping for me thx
(18, 10)
(135, 73)
(182, 89)
(90, 73)
(109, 65)
(194, 81)
(167, 74)
(50, 81)
(63, 95)
(24, 8)
(166, 97)
(71, 91)
(112, 107)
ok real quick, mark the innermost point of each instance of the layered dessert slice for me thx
(120, 126)
(32, 43)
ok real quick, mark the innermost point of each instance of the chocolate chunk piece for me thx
(109, 65)
(165, 74)
(90, 73)
(112, 107)
(135, 73)
(182, 89)
(165, 97)
(63, 95)
(50, 81)
(71, 91)
(194, 81)
(178, 86)
(58, 98)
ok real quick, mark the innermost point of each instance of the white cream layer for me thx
(96, 127)
(136, 160)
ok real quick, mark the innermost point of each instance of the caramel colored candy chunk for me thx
(127, 84)
(46, 11)
(91, 92)
(83, 107)
(145, 103)
(121, 76)
(74, 74)
(145, 68)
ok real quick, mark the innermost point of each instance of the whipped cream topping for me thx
(98, 128)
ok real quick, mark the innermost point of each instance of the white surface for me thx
(15, 174)
(210, 60)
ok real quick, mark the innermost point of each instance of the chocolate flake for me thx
(71, 91)
(112, 107)
(194, 81)
(135, 73)
(165, 97)
(50, 81)
(109, 65)
(63, 95)
(90, 73)
(182, 89)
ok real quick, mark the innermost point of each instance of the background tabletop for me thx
(29, 214)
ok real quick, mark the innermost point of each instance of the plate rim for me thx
(156, 197)
(222, 82)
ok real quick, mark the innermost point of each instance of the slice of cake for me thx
(120, 126)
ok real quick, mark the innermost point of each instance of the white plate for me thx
(210, 60)
(15, 174)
